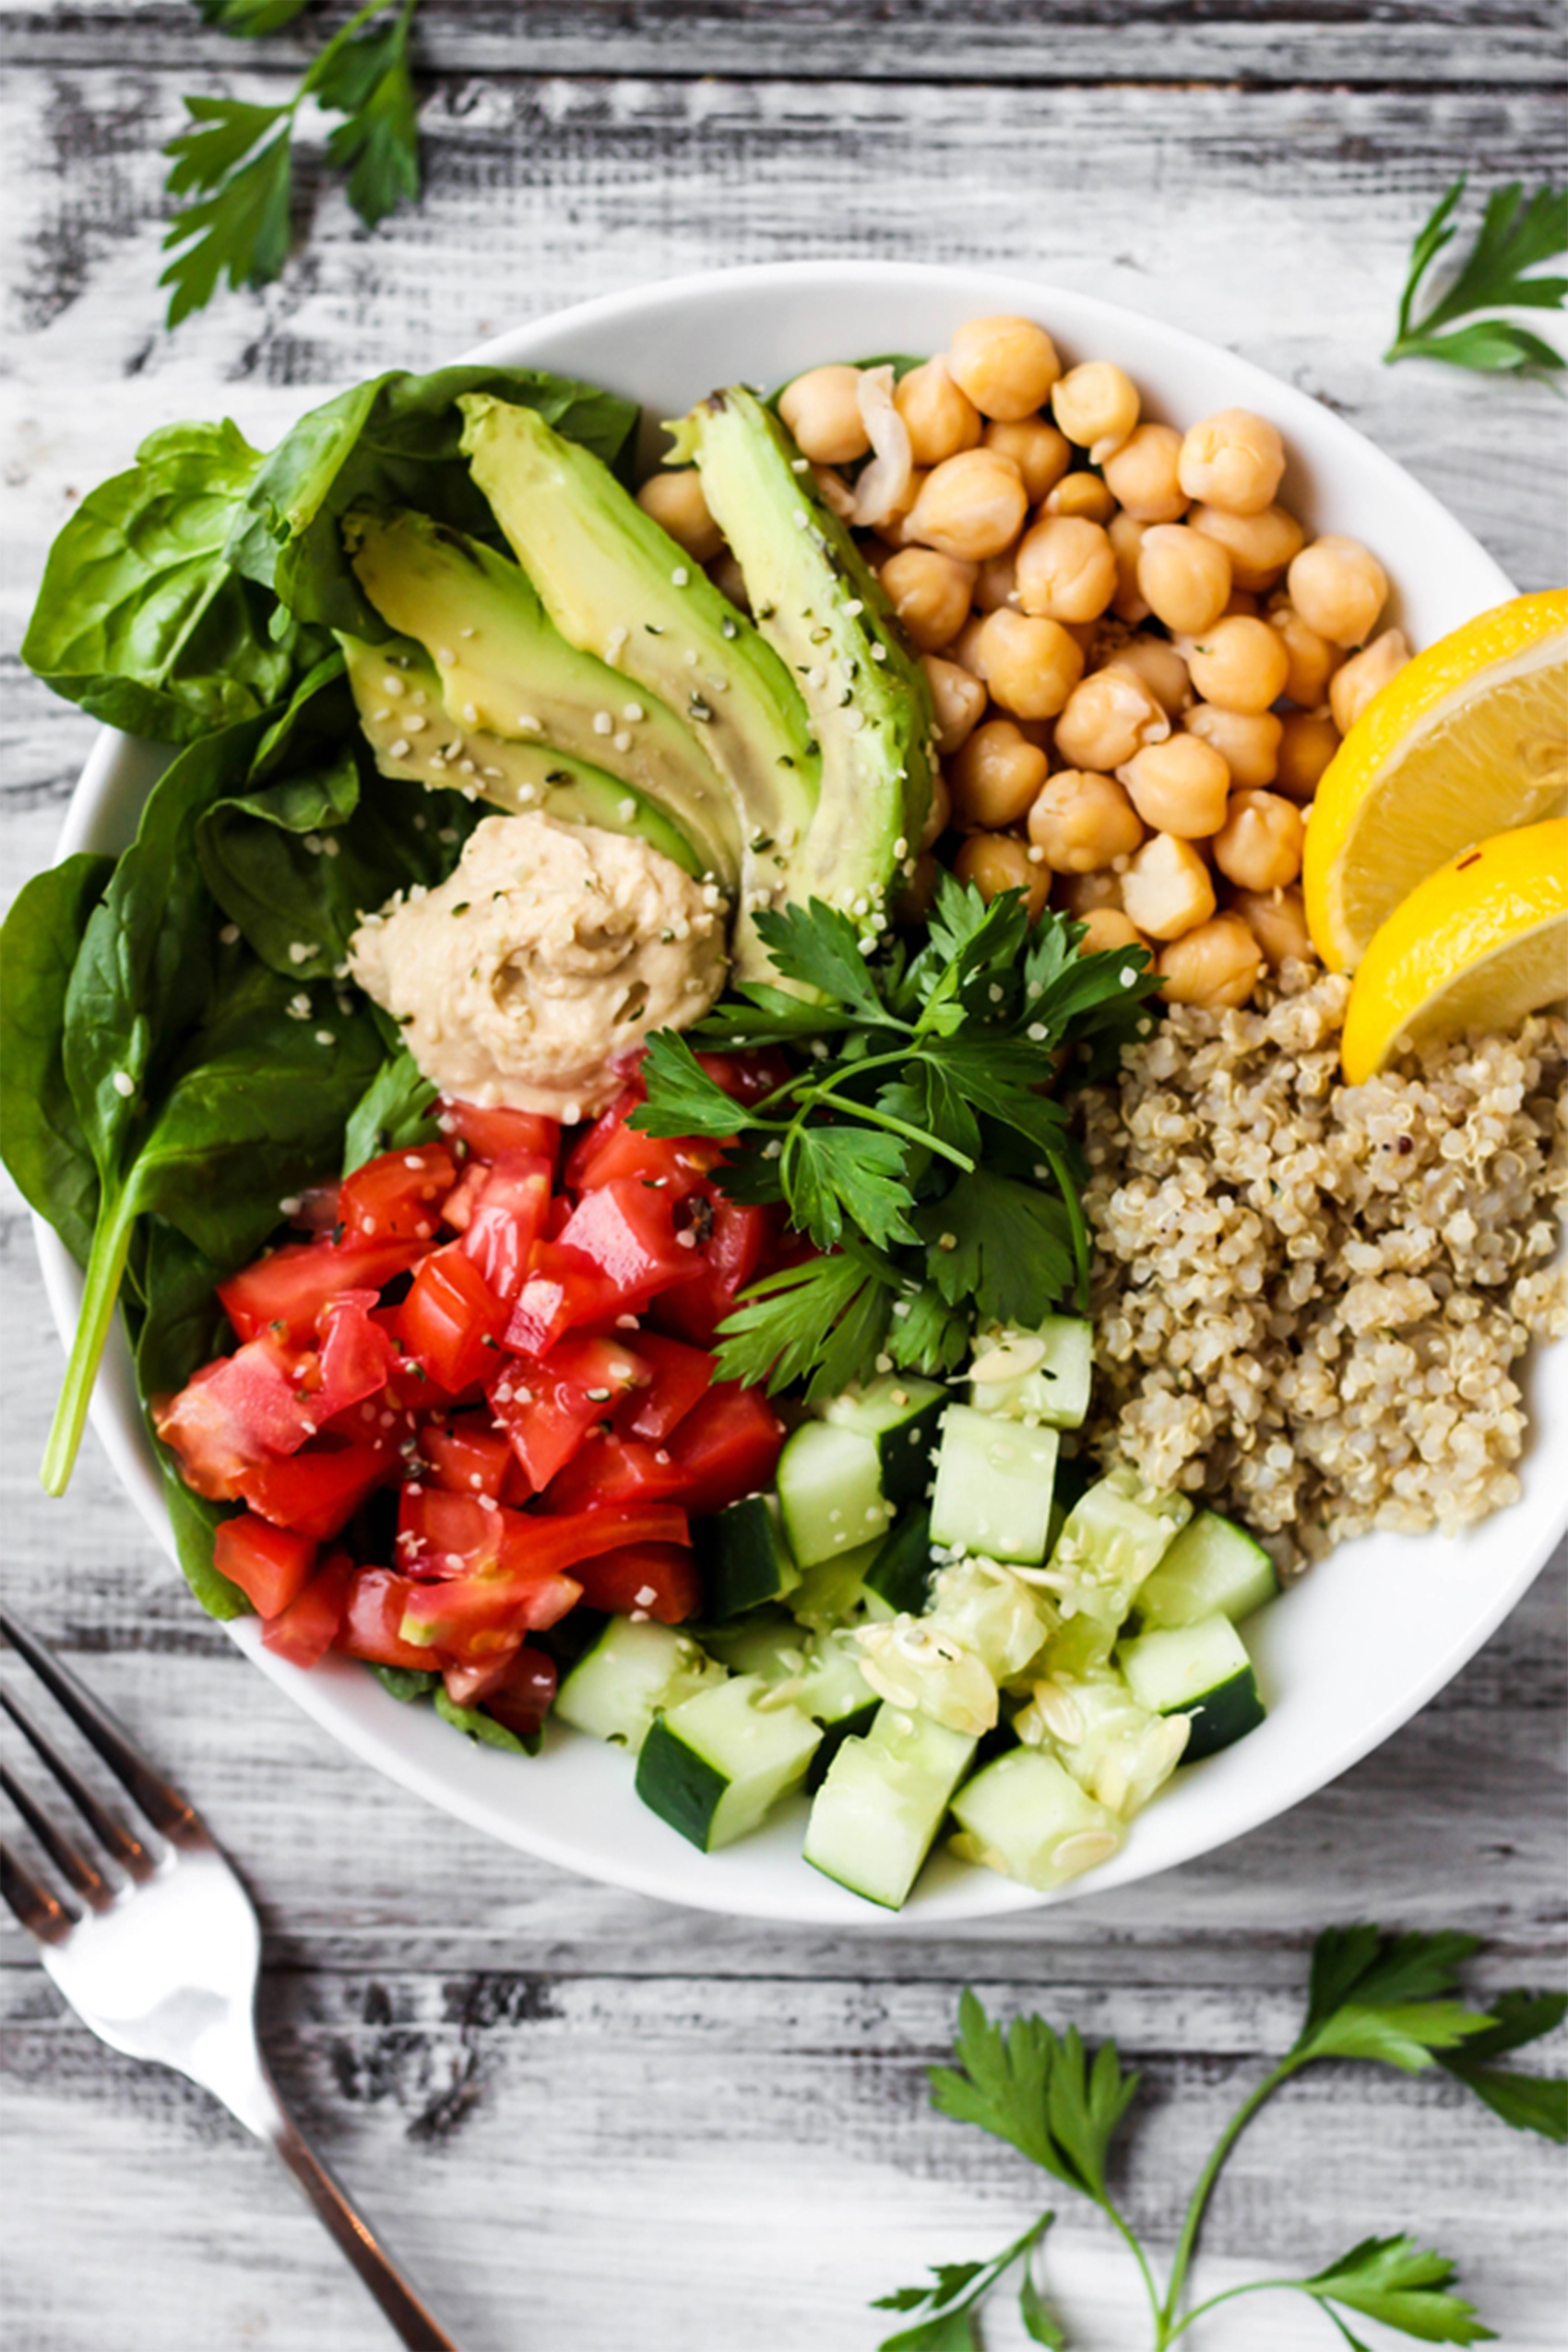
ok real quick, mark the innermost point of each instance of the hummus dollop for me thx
(550, 950)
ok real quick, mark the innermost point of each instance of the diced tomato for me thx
(232, 1414)
(733, 1242)
(397, 1194)
(608, 1470)
(611, 1149)
(285, 1293)
(643, 1579)
(452, 1320)
(727, 1446)
(317, 1492)
(627, 1229)
(270, 1565)
(467, 1456)
(681, 1375)
(549, 1406)
(539, 1545)
(443, 1534)
(358, 1357)
(476, 1618)
(470, 1685)
(377, 1601)
(749, 1075)
(305, 1631)
(522, 1698)
(490, 1130)
(506, 1219)
(457, 1208)
(563, 1289)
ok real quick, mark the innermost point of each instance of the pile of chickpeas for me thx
(1140, 664)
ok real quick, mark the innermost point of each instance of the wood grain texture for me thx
(535, 2082)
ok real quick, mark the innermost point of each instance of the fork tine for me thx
(86, 1880)
(163, 1806)
(126, 1849)
(35, 1908)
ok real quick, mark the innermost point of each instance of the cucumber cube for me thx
(1039, 1376)
(830, 1487)
(1213, 1565)
(899, 1415)
(1202, 1671)
(876, 1815)
(615, 1688)
(714, 1766)
(744, 1556)
(1025, 1816)
(1114, 1537)
(993, 1482)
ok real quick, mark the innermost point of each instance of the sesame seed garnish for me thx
(229, 934)
(124, 1084)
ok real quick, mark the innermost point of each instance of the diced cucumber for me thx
(901, 1572)
(820, 1673)
(830, 1487)
(744, 1556)
(1200, 1671)
(1039, 1376)
(915, 1664)
(992, 1612)
(1213, 1565)
(1025, 1816)
(993, 1482)
(899, 1415)
(876, 1815)
(633, 1670)
(715, 1765)
(1114, 1537)
(833, 1592)
(1117, 1751)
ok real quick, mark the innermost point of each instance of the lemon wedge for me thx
(1477, 945)
(1470, 738)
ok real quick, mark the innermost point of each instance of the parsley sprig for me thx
(234, 160)
(1387, 1998)
(1517, 232)
(915, 1142)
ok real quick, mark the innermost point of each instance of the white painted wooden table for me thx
(590, 2122)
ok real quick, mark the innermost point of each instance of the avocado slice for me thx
(506, 671)
(515, 776)
(615, 584)
(819, 604)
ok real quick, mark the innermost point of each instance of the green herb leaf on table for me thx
(957, 2288)
(247, 19)
(1529, 2102)
(1394, 2280)
(1385, 1998)
(377, 144)
(1516, 233)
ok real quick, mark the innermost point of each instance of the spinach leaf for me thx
(482, 1729)
(40, 1135)
(406, 1682)
(394, 441)
(393, 1114)
(140, 617)
(182, 1327)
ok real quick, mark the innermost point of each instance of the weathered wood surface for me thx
(589, 2119)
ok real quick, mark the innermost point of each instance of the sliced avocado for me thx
(615, 584)
(515, 776)
(506, 670)
(819, 604)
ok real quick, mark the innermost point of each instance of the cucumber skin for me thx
(1222, 1717)
(679, 1785)
(744, 1557)
(848, 1727)
(901, 1573)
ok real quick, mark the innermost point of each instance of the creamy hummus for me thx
(548, 951)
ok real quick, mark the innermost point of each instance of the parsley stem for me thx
(1186, 2245)
(895, 1127)
(1228, 2294)
(1130, 2236)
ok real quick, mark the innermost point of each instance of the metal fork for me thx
(157, 1949)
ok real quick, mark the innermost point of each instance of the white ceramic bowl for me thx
(1364, 1642)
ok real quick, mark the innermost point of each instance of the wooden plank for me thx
(1265, 43)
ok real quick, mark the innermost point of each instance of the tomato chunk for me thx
(467, 1456)
(397, 1194)
(550, 1406)
(452, 1320)
(305, 1631)
(317, 1492)
(610, 1149)
(643, 1580)
(506, 1219)
(522, 1698)
(443, 1534)
(748, 1076)
(269, 1565)
(490, 1130)
(680, 1376)
(371, 1618)
(627, 1229)
(733, 1242)
(476, 1618)
(358, 1357)
(727, 1446)
(611, 1469)
(285, 1293)
(233, 1413)
(563, 1289)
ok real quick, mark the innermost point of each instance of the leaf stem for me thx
(895, 1127)
(105, 1271)
(1228, 2294)
(1186, 2245)
(1129, 2237)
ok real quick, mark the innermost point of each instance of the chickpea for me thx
(1082, 894)
(1167, 888)
(1161, 667)
(1312, 659)
(1339, 587)
(1259, 845)
(913, 901)
(1278, 920)
(971, 505)
(1180, 786)
(675, 501)
(1240, 664)
(1031, 665)
(731, 581)
(1141, 475)
(930, 593)
(1185, 577)
(995, 583)
(998, 861)
(939, 815)
(1067, 568)
(1106, 929)
(1005, 365)
(1106, 719)
(1214, 963)
(995, 777)
(939, 419)
(1364, 675)
(1232, 461)
(1096, 406)
(1259, 546)
(967, 647)
(822, 410)
(1307, 743)
(1081, 495)
(1041, 453)
(1248, 742)
(1126, 536)
(1084, 822)
(958, 699)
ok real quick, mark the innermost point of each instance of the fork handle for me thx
(264, 2112)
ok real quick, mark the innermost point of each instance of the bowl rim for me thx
(466, 1794)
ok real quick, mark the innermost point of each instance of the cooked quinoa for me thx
(1309, 1296)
